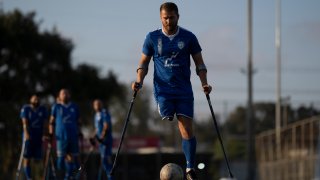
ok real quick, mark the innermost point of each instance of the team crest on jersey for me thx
(180, 44)
(40, 114)
(72, 110)
(160, 46)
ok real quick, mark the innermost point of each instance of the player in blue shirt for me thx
(171, 48)
(64, 124)
(103, 134)
(33, 117)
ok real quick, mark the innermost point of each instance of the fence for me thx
(299, 152)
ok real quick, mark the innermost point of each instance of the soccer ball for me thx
(171, 171)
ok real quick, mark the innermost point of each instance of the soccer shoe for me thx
(191, 175)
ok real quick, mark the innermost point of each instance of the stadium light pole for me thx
(278, 78)
(250, 124)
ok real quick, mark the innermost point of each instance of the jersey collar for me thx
(66, 105)
(34, 109)
(171, 36)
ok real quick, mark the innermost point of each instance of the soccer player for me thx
(33, 117)
(103, 134)
(64, 123)
(171, 47)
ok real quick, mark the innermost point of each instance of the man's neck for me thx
(170, 33)
(34, 106)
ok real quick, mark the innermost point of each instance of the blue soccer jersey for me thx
(171, 56)
(66, 119)
(35, 118)
(99, 119)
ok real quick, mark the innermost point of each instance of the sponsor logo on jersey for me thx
(169, 61)
(66, 119)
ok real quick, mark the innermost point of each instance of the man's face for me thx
(64, 96)
(34, 101)
(97, 105)
(169, 21)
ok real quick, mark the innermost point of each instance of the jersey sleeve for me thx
(54, 110)
(108, 117)
(147, 48)
(194, 47)
(23, 112)
(105, 116)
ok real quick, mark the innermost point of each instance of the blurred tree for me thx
(206, 134)
(31, 61)
(40, 62)
(264, 114)
(235, 149)
(304, 112)
(141, 114)
(235, 123)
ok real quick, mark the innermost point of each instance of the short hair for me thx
(169, 6)
(34, 94)
(97, 100)
(64, 89)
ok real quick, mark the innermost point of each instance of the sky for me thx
(110, 34)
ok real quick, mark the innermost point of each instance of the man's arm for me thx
(104, 130)
(46, 122)
(101, 137)
(142, 71)
(25, 129)
(51, 125)
(202, 72)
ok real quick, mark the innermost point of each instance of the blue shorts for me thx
(67, 147)
(33, 149)
(168, 107)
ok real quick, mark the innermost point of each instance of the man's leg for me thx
(72, 158)
(107, 165)
(38, 155)
(69, 166)
(27, 168)
(106, 158)
(189, 142)
(27, 158)
(61, 155)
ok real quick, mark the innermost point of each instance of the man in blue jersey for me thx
(103, 134)
(64, 123)
(171, 48)
(33, 117)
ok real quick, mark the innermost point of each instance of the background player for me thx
(33, 117)
(103, 134)
(64, 123)
(171, 47)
